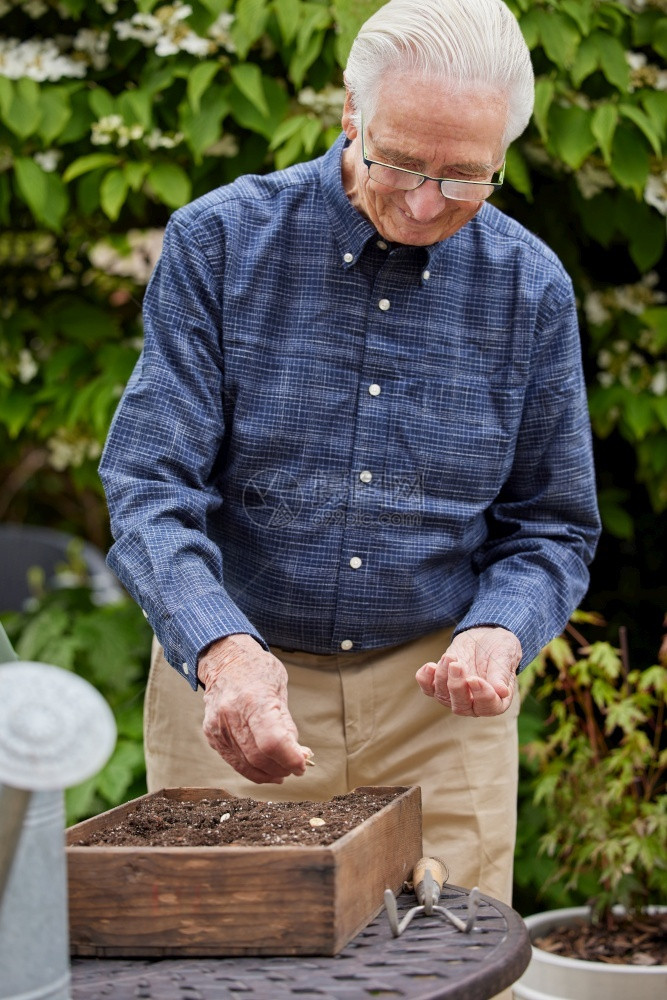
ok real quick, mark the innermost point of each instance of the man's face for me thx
(418, 125)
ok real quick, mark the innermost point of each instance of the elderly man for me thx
(355, 449)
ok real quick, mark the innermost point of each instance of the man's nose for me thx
(426, 201)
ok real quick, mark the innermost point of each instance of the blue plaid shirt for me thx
(333, 443)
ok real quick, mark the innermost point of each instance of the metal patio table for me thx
(430, 960)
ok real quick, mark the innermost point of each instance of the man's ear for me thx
(347, 121)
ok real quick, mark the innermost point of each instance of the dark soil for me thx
(160, 821)
(640, 941)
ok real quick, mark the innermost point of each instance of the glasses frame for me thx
(496, 185)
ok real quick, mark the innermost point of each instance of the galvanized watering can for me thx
(55, 731)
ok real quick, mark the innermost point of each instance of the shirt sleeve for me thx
(544, 524)
(159, 458)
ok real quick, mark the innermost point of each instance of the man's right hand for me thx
(246, 718)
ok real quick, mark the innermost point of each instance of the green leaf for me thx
(659, 41)
(585, 62)
(117, 775)
(199, 80)
(171, 184)
(24, 113)
(249, 117)
(248, 78)
(559, 37)
(570, 134)
(113, 192)
(545, 90)
(44, 193)
(655, 105)
(287, 15)
(349, 15)
(517, 172)
(248, 25)
(630, 162)
(136, 108)
(15, 412)
(135, 174)
(80, 119)
(643, 123)
(287, 129)
(603, 126)
(92, 161)
(530, 28)
(101, 102)
(304, 57)
(580, 11)
(56, 112)
(638, 415)
(203, 129)
(613, 63)
(647, 242)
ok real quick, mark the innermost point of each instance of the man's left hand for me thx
(476, 675)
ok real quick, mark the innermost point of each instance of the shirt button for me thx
(384, 304)
(185, 669)
(426, 275)
(381, 244)
(355, 562)
(374, 389)
(346, 644)
(366, 476)
(348, 257)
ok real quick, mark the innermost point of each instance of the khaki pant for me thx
(367, 723)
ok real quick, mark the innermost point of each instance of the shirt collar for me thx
(351, 230)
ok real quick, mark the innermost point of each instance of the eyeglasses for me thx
(410, 180)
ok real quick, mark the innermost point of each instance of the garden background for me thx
(114, 113)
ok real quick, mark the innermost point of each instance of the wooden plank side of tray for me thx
(382, 859)
(204, 901)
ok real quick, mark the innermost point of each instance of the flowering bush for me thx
(114, 113)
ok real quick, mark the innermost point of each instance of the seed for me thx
(317, 821)
(225, 816)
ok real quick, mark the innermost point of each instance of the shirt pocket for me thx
(459, 435)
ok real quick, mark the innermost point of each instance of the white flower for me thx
(162, 140)
(219, 31)
(592, 179)
(65, 450)
(596, 312)
(48, 160)
(35, 8)
(27, 366)
(227, 145)
(327, 103)
(605, 379)
(94, 44)
(37, 59)
(145, 247)
(659, 383)
(655, 192)
(164, 31)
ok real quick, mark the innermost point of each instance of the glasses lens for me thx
(466, 192)
(393, 177)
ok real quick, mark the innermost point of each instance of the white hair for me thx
(464, 44)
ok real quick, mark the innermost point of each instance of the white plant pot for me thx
(553, 977)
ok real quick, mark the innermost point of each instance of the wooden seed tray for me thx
(216, 901)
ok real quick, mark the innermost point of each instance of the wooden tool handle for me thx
(437, 868)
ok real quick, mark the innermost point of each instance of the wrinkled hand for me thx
(245, 710)
(477, 673)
